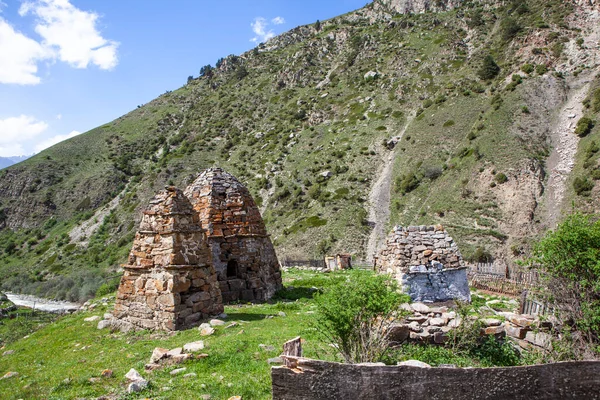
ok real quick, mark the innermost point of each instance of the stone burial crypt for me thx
(426, 261)
(196, 250)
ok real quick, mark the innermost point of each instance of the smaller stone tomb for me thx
(169, 282)
(427, 262)
(339, 261)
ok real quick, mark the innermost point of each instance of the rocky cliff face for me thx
(416, 6)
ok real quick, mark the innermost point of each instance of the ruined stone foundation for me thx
(427, 262)
(169, 282)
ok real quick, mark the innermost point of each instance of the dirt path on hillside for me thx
(380, 199)
(564, 142)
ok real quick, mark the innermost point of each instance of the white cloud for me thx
(11, 150)
(259, 27)
(278, 21)
(71, 33)
(44, 144)
(59, 116)
(19, 56)
(68, 34)
(18, 129)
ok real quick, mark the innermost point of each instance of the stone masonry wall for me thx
(413, 246)
(241, 250)
(427, 262)
(169, 282)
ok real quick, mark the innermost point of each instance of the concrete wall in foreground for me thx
(311, 379)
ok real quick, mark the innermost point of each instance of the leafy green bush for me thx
(582, 186)
(541, 69)
(500, 178)
(509, 28)
(569, 258)
(407, 183)
(584, 126)
(355, 316)
(528, 68)
(480, 255)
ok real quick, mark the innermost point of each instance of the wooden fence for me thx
(502, 278)
(287, 262)
(533, 306)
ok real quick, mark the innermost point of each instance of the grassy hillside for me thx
(303, 121)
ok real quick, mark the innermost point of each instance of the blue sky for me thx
(67, 66)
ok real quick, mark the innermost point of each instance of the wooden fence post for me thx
(523, 301)
(292, 348)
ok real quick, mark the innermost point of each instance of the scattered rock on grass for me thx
(8, 352)
(137, 386)
(207, 331)
(133, 375)
(190, 375)
(193, 346)
(266, 347)
(158, 354)
(216, 322)
(10, 375)
(177, 371)
(107, 373)
(92, 318)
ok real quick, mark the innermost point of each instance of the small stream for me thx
(37, 303)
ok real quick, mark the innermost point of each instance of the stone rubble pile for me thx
(432, 325)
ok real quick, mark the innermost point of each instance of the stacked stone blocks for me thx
(178, 275)
(241, 250)
(427, 262)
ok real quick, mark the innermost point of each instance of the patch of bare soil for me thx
(564, 142)
(380, 199)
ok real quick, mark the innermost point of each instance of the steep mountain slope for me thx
(320, 123)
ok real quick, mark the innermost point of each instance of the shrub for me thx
(541, 69)
(582, 186)
(509, 28)
(595, 101)
(489, 69)
(500, 178)
(433, 172)
(449, 123)
(481, 255)
(355, 316)
(569, 258)
(584, 126)
(528, 69)
(407, 183)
